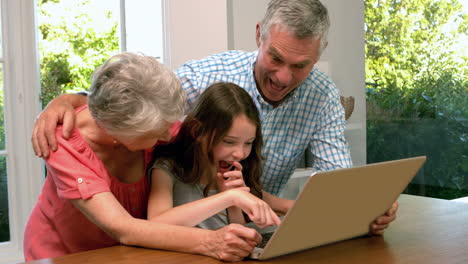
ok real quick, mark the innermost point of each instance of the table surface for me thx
(427, 230)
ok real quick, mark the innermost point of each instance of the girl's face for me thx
(236, 144)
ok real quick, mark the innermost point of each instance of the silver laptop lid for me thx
(340, 204)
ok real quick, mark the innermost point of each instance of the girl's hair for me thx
(192, 150)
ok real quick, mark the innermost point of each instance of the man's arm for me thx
(328, 146)
(59, 110)
(279, 205)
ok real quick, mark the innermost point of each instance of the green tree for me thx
(410, 46)
(71, 46)
(417, 95)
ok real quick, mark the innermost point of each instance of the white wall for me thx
(230, 24)
(345, 54)
(195, 29)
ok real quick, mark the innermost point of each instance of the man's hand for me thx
(59, 111)
(231, 243)
(382, 222)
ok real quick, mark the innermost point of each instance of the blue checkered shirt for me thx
(310, 116)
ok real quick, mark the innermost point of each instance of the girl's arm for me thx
(230, 243)
(230, 180)
(160, 206)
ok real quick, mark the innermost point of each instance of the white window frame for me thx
(21, 105)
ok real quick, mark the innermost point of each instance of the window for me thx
(76, 36)
(20, 170)
(417, 96)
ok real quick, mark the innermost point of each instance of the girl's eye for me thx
(229, 142)
(249, 143)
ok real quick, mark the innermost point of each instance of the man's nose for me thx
(284, 75)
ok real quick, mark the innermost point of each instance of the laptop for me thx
(337, 205)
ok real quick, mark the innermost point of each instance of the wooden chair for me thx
(348, 105)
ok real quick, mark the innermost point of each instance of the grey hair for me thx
(305, 18)
(132, 94)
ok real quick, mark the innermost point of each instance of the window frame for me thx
(21, 105)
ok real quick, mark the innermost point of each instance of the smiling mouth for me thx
(276, 87)
(224, 166)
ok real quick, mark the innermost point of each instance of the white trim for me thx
(21, 106)
(123, 26)
(166, 32)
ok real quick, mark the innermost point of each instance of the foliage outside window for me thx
(75, 37)
(417, 92)
(74, 41)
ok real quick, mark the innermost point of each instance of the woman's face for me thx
(236, 145)
(147, 140)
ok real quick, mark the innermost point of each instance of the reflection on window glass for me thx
(417, 96)
(4, 220)
(4, 225)
(75, 37)
(1, 35)
(2, 118)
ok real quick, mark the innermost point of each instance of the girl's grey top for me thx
(184, 193)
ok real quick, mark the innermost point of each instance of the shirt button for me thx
(80, 180)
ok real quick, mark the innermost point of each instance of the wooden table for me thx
(426, 231)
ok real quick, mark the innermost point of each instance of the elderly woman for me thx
(96, 191)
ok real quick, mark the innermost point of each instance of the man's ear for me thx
(257, 34)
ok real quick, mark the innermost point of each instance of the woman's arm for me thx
(59, 110)
(231, 243)
(160, 207)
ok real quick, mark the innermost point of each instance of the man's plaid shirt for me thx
(311, 116)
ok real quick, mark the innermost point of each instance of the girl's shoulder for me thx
(167, 165)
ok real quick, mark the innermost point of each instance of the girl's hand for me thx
(257, 209)
(231, 179)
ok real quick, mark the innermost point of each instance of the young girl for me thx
(210, 173)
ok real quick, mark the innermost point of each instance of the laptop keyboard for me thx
(265, 238)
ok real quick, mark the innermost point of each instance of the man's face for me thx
(283, 63)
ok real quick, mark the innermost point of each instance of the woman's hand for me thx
(257, 209)
(231, 243)
(231, 179)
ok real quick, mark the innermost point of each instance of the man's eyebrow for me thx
(272, 51)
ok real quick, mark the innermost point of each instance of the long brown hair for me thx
(191, 151)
